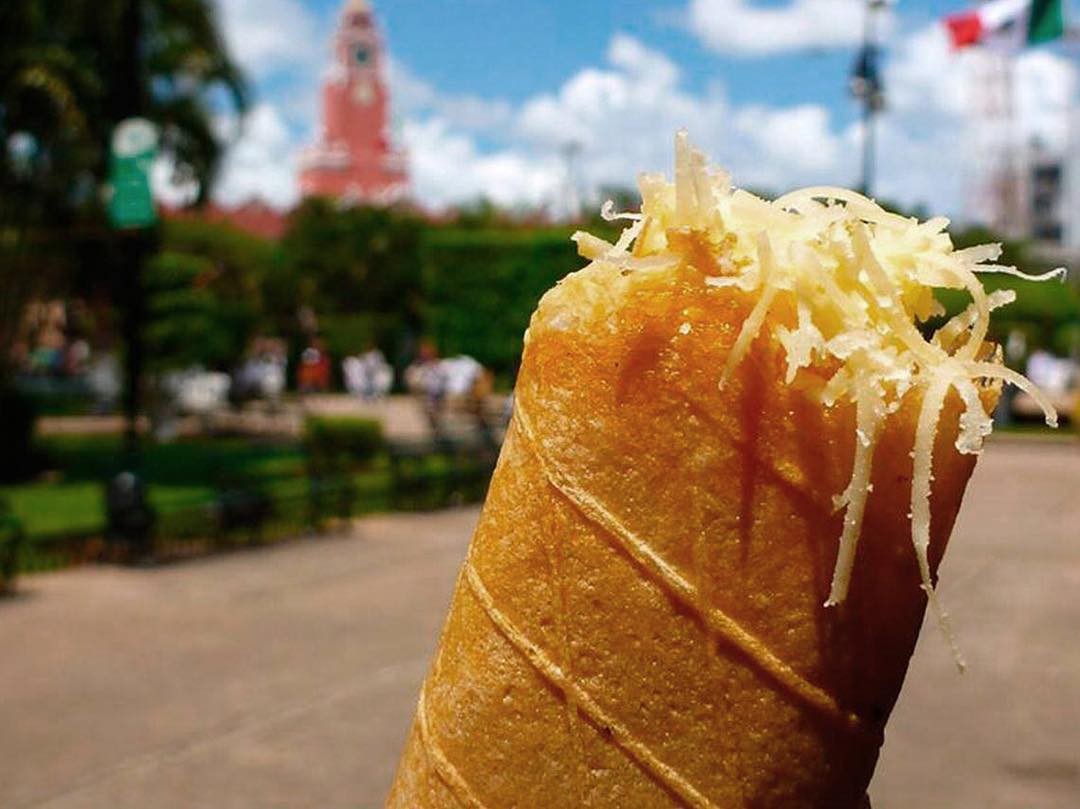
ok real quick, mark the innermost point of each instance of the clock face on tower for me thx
(362, 60)
(363, 92)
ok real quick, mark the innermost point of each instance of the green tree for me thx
(240, 262)
(182, 305)
(354, 259)
(481, 287)
(65, 82)
(70, 70)
(64, 85)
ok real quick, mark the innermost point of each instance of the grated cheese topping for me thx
(860, 280)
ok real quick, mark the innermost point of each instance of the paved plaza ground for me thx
(286, 677)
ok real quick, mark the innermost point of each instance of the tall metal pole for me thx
(868, 144)
(866, 86)
(131, 103)
(130, 517)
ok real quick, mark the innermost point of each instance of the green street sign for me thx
(134, 148)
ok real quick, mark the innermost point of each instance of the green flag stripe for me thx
(1046, 21)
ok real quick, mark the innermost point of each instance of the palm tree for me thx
(66, 80)
(70, 70)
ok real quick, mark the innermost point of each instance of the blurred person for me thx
(103, 377)
(368, 375)
(313, 375)
(461, 382)
(76, 356)
(465, 377)
(424, 376)
(1055, 375)
(196, 391)
(262, 374)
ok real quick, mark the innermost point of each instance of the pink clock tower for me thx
(355, 159)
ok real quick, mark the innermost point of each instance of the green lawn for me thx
(180, 475)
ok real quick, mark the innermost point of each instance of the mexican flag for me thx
(1007, 24)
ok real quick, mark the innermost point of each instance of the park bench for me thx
(331, 489)
(242, 506)
(451, 465)
(129, 518)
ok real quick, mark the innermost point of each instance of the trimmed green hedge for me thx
(350, 334)
(481, 287)
(330, 439)
(1047, 312)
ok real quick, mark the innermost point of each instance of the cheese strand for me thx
(858, 278)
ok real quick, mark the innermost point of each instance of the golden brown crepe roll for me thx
(693, 582)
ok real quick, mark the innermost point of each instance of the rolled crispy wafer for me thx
(693, 582)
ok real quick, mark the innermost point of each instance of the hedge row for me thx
(329, 439)
(481, 286)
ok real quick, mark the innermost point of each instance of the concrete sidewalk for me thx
(281, 677)
(286, 677)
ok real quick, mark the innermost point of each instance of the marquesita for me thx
(693, 581)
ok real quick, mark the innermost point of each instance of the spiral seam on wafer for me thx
(715, 619)
(664, 774)
(446, 771)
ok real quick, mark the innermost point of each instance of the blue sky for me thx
(485, 89)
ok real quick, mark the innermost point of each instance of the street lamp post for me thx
(866, 86)
(129, 515)
(131, 104)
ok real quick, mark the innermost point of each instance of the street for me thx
(286, 676)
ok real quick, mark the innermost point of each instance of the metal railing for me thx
(253, 511)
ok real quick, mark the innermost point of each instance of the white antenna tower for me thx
(571, 196)
(998, 186)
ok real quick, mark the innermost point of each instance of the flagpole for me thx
(868, 129)
(867, 87)
(1071, 159)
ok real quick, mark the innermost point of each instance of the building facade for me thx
(355, 159)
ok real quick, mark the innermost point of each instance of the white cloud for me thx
(272, 36)
(741, 27)
(285, 42)
(642, 63)
(926, 74)
(448, 168)
(931, 145)
(799, 137)
(261, 162)
(624, 117)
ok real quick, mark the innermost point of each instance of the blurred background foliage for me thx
(192, 321)
(466, 280)
(481, 286)
(1047, 313)
(67, 77)
(65, 82)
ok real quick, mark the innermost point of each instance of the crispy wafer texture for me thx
(640, 619)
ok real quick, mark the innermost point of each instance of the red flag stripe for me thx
(965, 28)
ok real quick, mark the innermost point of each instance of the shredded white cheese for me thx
(860, 278)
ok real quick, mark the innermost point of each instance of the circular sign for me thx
(134, 136)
